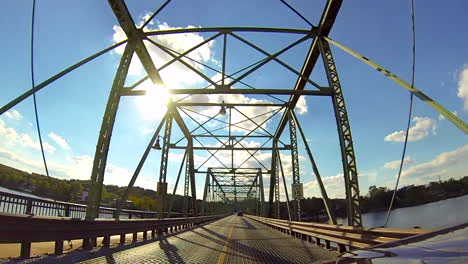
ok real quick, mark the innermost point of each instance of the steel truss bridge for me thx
(238, 184)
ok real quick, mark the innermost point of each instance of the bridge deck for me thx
(233, 239)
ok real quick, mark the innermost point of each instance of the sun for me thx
(153, 105)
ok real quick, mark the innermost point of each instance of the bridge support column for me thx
(25, 250)
(102, 147)
(206, 192)
(271, 201)
(344, 132)
(190, 182)
(106, 241)
(87, 243)
(297, 189)
(58, 248)
(162, 184)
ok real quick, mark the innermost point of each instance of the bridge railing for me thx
(339, 235)
(19, 204)
(25, 229)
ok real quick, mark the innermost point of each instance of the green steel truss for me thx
(238, 183)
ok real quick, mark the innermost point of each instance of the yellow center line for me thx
(226, 244)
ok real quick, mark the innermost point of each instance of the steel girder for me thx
(107, 126)
(295, 168)
(276, 163)
(135, 44)
(162, 184)
(346, 141)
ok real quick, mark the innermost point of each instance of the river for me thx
(435, 215)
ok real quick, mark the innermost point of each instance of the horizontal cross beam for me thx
(324, 92)
(234, 136)
(228, 148)
(229, 104)
(312, 32)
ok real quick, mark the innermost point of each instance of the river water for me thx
(435, 215)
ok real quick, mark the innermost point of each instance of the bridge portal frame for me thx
(135, 44)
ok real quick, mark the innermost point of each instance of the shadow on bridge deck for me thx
(233, 239)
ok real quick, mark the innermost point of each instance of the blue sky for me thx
(71, 108)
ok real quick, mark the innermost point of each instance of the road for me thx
(234, 239)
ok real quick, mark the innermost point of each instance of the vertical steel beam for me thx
(272, 181)
(190, 182)
(277, 172)
(344, 133)
(205, 192)
(186, 183)
(262, 193)
(162, 184)
(102, 147)
(192, 179)
(295, 169)
(285, 186)
(165, 148)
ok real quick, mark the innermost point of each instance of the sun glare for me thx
(153, 105)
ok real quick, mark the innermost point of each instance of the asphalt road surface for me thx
(234, 239)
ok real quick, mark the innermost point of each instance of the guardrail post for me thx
(145, 235)
(58, 249)
(25, 250)
(29, 207)
(317, 241)
(327, 244)
(129, 215)
(86, 243)
(122, 239)
(135, 236)
(341, 248)
(67, 210)
(153, 233)
(106, 241)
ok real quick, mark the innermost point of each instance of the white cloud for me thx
(396, 163)
(463, 86)
(301, 106)
(13, 114)
(59, 140)
(176, 75)
(26, 140)
(334, 185)
(12, 137)
(443, 164)
(441, 117)
(421, 129)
